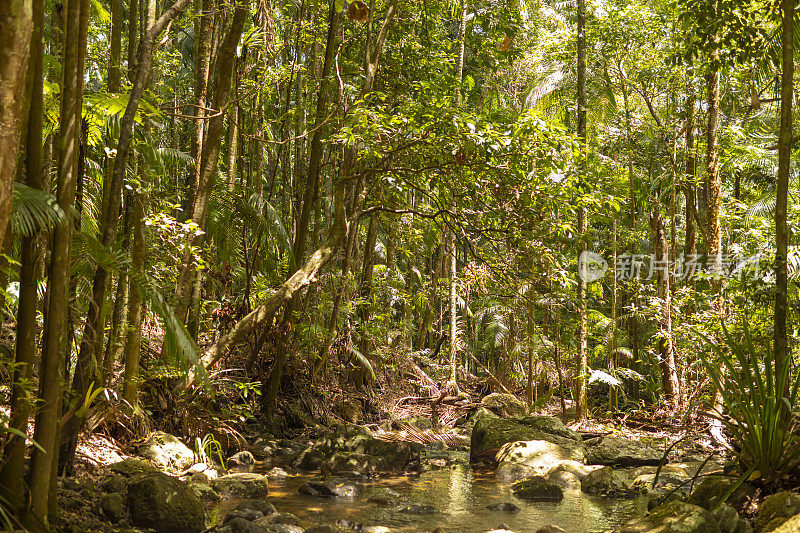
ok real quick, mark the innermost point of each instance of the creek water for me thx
(461, 495)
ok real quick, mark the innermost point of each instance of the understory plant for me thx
(758, 401)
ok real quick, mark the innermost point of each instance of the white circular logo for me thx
(591, 266)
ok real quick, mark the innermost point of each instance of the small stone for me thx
(165, 504)
(250, 515)
(167, 452)
(782, 505)
(278, 473)
(505, 507)
(244, 458)
(114, 483)
(382, 499)
(278, 519)
(607, 483)
(318, 490)
(132, 467)
(262, 506)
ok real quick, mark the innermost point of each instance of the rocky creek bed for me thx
(522, 473)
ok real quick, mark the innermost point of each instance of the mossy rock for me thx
(333, 451)
(618, 451)
(674, 517)
(490, 434)
(243, 485)
(607, 483)
(782, 505)
(165, 504)
(537, 489)
(540, 455)
(708, 493)
(167, 452)
(132, 467)
(504, 404)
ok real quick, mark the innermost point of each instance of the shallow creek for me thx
(460, 493)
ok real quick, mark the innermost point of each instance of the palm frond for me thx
(34, 210)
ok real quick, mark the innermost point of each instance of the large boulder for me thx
(490, 434)
(355, 450)
(674, 517)
(132, 467)
(708, 493)
(537, 489)
(167, 452)
(607, 483)
(165, 504)
(617, 451)
(729, 520)
(504, 404)
(776, 509)
(790, 526)
(540, 456)
(243, 485)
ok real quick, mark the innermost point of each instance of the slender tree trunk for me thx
(780, 339)
(689, 186)
(613, 397)
(666, 354)
(453, 312)
(713, 179)
(365, 287)
(45, 460)
(11, 474)
(581, 362)
(316, 149)
(133, 341)
(223, 73)
(16, 27)
(205, 34)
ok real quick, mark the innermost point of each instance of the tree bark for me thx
(16, 27)
(666, 354)
(780, 340)
(581, 362)
(44, 461)
(11, 474)
(133, 341)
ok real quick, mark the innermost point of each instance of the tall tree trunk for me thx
(453, 312)
(689, 186)
(133, 341)
(713, 178)
(581, 363)
(223, 73)
(780, 339)
(16, 27)
(365, 286)
(11, 474)
(315, 151)
(44, 461)
(666, 354)
(205, 34)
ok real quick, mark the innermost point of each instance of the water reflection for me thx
(461, 494)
